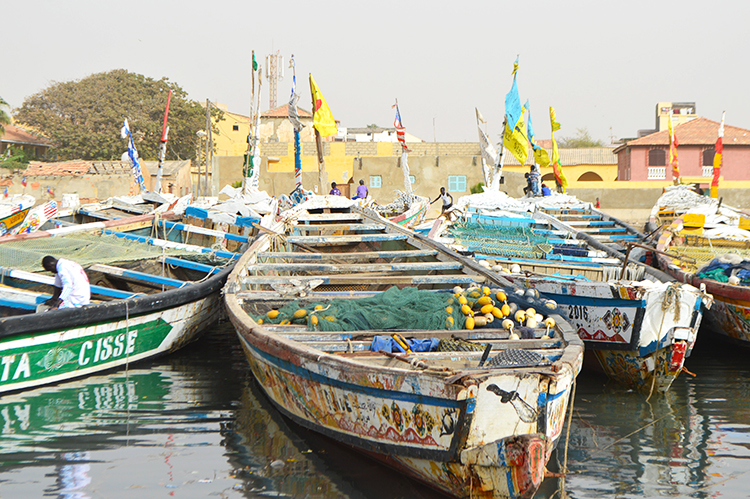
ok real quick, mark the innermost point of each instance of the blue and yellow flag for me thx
(540, 155)
(322, 117)
(515, 139)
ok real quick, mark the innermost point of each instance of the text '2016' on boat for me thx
(356, 328)
(155, 285)
(636, 321)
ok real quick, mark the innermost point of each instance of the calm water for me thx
(194, 425)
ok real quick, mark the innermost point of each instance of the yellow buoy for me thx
(469, 322)
(501, 296)
(300, 313)
(449, 322)
(449, 310)
(466, 309)
(462, 300)
(260, 321)
(496, 312)
(485, 300)
(314, 320)
(318, 307)
(487, 309)
(505, 309)
(486, 291)
(272, 314)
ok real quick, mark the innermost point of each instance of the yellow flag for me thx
(556, 165)
(516, 141)
(322, 117)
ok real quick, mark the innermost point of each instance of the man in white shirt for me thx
(72, 287)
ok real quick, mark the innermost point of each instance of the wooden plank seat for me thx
(355, 267)
(370, 279)
(142, 277)
(348, 239)
(366, 255)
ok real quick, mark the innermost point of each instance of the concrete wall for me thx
(89, 188)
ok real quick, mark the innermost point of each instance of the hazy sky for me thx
(603, 65)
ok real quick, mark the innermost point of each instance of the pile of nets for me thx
(407, 308)
(725, 267)
(86, 249)
(402, 203)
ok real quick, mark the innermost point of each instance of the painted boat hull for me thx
(637, 342)
(466, 431)
(64, 344)
(414, 215)
(424, 428)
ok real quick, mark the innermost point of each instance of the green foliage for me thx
(83, 118)
(17, 161)
(477, 189)
(582, 139)
(4, 118)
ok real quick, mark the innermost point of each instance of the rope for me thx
(672, 295)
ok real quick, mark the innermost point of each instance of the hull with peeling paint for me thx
(466, 430)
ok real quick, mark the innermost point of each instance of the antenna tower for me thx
(274, 71)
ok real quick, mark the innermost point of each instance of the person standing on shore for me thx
(334, 190)
(446, 197)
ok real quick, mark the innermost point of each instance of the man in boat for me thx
(545, 190)
(446, 197)
(334, 190)
(72, 289)
(361, 191)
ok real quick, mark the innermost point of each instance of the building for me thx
(374, 134)
(585, 164)
(646, 158)
(681, 112)
(16, 140)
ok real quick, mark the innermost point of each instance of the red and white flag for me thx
(400, 129)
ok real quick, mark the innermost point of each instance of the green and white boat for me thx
(155, 282)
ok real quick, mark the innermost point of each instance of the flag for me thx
(400, 129)
(255, 63)
(513, 108)
(514, 135)
(717, 159)
(293, 115)
(556, 165)
(50, 209)
(540, 155)
(673, 153)
(516, 141)
(50, 192)
(5, 194)
(23, 181)
(132, 153)
(490, 166)
(322, 117)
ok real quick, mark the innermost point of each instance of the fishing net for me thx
(85, 249)
(501, 240)
(407, 308)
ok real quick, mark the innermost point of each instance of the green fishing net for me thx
(500, 240)
(408, 308)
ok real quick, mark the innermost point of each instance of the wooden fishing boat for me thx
(637, 323)
(154, 288)
(706, 256)
(469, 423)
(13, 211)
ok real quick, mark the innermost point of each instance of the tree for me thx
(4, 118)
(83, 117)
(582, 139)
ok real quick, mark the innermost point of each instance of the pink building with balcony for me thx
(647, 158)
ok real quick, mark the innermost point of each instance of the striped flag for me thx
(50, 191)
(5, 194)
(50, 209)
(23, 181)
(400, 129)
(673, 153)
(717, 159)
(133, 153)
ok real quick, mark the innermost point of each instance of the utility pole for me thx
(274, 71)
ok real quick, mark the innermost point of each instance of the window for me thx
(657, 157)
(708, 157)
(376, 181)
(235, 128)
(412, 179)
(456, 183)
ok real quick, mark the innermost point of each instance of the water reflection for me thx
(194, 424)
(693, 442)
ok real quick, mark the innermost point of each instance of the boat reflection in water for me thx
(193, 421)
(692, 442)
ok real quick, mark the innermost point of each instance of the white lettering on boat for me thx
(23, 367)
(105, 349)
